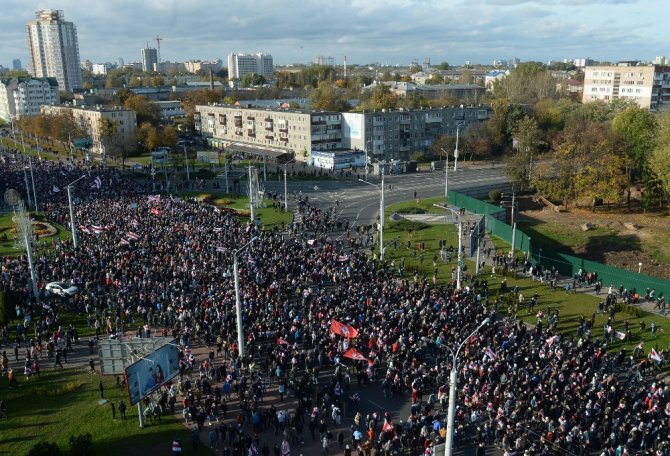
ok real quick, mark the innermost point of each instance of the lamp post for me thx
(367, 144)
(453, 377)
(513, 223)
(446, 173)
(25, 177)
(639, 268)
(286, 185)
(188, 175)
(458, 127)
(459, 266)
(381, 212)
(32, 178)
(72, 217)
(238, 303)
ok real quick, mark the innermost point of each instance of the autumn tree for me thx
(526, 84)
(327, 97)
(519, 165)
(145, 110)
(659, 160)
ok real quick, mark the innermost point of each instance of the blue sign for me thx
(149, 373)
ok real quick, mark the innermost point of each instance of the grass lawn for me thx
(570, 306)
(268, 215)
(7, 227)
(63, 403)
(9, 142)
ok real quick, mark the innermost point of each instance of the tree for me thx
(659, 160)
(45, 449)
(519, 166)
(145, 110)
(121, 148)
(107, 130)
(81, 445)
(443, 66)
(637, 128)
(526, 84)
(327, 97)
(380, 97)
(253, 80)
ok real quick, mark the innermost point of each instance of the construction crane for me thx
(158, 46)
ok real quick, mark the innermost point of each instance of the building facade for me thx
(200, 66)
(89, 118)
(648, 86)
(295, 131)
(396, 134)
(54, 49)
(240, 65)
(21, 97)
(149, 59)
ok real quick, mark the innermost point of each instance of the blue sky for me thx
(385, 31)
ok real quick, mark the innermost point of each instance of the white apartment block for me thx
(54, 49)
(89, 118)
(21, 97)
(395, 134)
(648, 86)
(293, 131)
(197, 66)
(240, 65)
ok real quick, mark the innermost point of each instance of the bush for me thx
(413, 210)
(45, 449)
(81, 445)
(495, 195)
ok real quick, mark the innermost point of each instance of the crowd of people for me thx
(165, 263)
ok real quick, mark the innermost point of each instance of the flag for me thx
(620, 335)
(343, 330)
(221, 249)
(216, 209)
(490, 353)
(155, 211)
(55, 189)
(310, 242)
(97, 228)
(342, 258)
(133, 236)
(84, 229)
(387, 426)
(98, 182)
(154, 198)
(354, 354)
(551, 340)
(217, 229)
(133, 205)
(281, 341)
(124, 242)
(655, 356)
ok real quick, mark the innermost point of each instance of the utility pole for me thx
(26, 229)
(32, 177)
(513, 222)
(188, 175)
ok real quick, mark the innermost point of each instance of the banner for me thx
(343, 330)
(354, 354)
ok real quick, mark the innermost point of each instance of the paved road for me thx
(359, 202)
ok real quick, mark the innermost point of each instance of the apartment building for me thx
(648, 85)
(54, 49)
(240, 65)
(395, 134)
(200, 66)
(21, 97)
(89, 117)
(293, 131)
(149, 58)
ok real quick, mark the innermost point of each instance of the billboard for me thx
(150, 372)
(117, 354)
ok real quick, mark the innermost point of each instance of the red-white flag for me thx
(343, 330)
(154, 198)
(281, 341)
(491, 354)
(354, 354)
(655, 356)
(343, 258)
(551, 340)
(387, 427)
(133, 236)
(124, 242)
(155, 211)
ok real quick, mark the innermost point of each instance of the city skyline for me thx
(385, 31)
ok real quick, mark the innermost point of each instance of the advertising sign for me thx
(150, 372)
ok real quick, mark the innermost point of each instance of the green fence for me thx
(567, 265)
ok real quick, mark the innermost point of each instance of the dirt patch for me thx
(633, 236)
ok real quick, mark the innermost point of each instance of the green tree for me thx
(327, 97)
(637, 128)
(526, 84)
(519, 166)
(380, 97)
(443, 66)
(145, 110)
(659, 160)
(253, 80)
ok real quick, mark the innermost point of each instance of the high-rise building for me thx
(16, 64)
(20, 97)
(240, 65)
(54, 49)
(149, 58)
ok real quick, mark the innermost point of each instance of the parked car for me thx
(62, 289)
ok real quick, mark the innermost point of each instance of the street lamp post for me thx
(453, 378)
(73, 222)
(238, 303)
(25, 177)
(639, 268)
(514, 215)
(32, 178)
(459, 266)
(446, 173)
(188, 175)
(381, 212)
(286, 185)
(458, 127)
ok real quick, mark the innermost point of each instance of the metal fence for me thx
(567, 265)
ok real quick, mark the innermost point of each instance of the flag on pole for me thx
(133, 236)
(217, 229)
(354, 354)
(281, 341)
(124, 242)
(387, 427)
(84, 229)
(155, 211)
(551, 340)
(221, 249)
(98, 182)
(655, 356)
(343, 258)
(491, 354)
(310, 242)
(343, 330)
(620, 335)
(154, 198)
(55, 189)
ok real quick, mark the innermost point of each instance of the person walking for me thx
(58, 360)
(113, 410)
(102, 390)
(122, 409)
